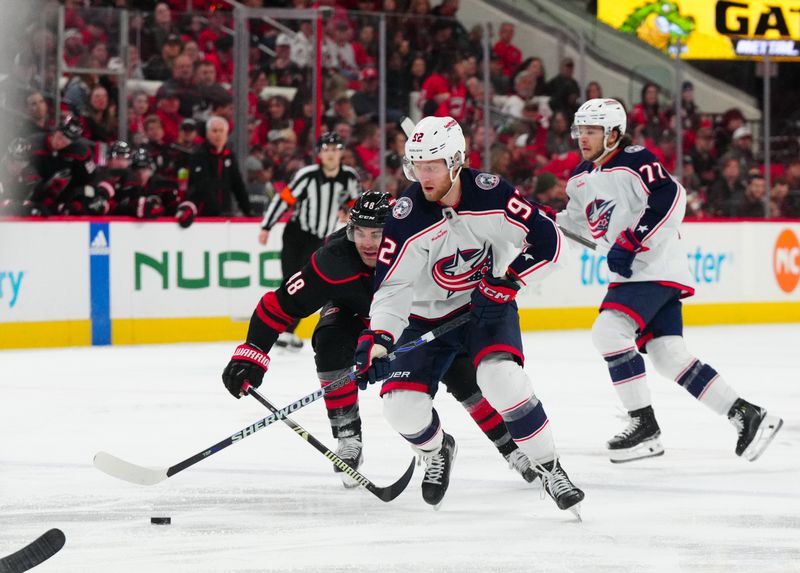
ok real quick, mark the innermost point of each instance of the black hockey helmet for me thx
(119, 149)
(330, 138)
(19, 149)
(370, 210)
(140, 159)
(71, 127)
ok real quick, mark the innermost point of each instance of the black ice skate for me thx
(351, 452)
(756, 428)
(519, 462)
(558, 486)
(640, 439)
(437, 475)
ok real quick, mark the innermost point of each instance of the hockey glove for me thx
(490, 299)
(371, 361)
(248, 364)
(185, 214)
(620, 257)
(149, 207)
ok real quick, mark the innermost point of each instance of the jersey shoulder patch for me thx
(633, 148)
(402, 208)
(487, 181)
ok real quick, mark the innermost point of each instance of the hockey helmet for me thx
(71, 127)
(119, 149)
(435, 138)
(370, 210)
(330, 138)
(19, 149)
(607, 113)
(140, 159)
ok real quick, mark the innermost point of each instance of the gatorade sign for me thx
(786, 261)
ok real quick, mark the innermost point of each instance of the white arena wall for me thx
(114, 281)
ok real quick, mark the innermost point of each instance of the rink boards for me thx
(108, 281)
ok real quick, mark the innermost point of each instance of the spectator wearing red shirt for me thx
(509, 54)
(223, 59)
(168, 103)
(368, 150)
(444, 92)
(646, 117)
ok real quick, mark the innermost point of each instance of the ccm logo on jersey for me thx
(493, 294)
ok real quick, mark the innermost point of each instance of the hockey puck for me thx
(161, 520)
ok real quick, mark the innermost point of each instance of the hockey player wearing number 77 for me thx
(459, 241)
(625, 199)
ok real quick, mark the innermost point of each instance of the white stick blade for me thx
(127, 471)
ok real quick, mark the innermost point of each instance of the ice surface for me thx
(272, 502)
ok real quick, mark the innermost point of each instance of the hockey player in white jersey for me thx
(459, 241)
(628, 203)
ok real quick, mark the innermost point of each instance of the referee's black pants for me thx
(298, 246)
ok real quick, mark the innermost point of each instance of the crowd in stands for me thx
(189, 57)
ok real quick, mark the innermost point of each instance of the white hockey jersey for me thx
(432, 256)
(632, 190)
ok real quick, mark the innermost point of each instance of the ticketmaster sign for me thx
(710, 29)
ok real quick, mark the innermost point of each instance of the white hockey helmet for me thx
(435, 138)
(606, 113)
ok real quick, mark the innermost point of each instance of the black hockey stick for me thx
(35, 553)
(578, 238)
(141, 475)
(387, 494)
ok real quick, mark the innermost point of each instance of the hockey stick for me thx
(141, 475)
(35, 553)
(578, 238)
(387, 494)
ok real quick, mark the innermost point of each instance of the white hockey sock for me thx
(506, 386)
(672, 360)
(412, 415)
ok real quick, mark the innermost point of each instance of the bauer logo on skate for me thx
(786, 261)
(462, 270)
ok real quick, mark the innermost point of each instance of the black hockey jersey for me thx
(334, 274)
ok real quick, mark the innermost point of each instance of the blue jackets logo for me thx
(598, 213)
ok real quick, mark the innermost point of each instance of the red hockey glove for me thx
(248, 365)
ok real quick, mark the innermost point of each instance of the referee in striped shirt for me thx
(319, 195)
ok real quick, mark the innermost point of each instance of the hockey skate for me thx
(639, 440)
(351, 452)
(519, 462)
(437, 474)
(289, 341)
(558, 486)
(755, 427)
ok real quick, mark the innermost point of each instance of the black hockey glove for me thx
(371, 361)
(248, 365)
(491, 298)
(185, 214)
(620, 257)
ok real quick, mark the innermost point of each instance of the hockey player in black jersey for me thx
(62, 159)
(338, 279)
(148, 196)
